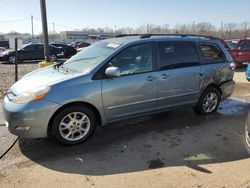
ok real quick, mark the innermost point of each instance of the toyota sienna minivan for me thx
(116, 79)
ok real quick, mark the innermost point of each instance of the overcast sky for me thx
(77, 14)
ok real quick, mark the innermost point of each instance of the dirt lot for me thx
(7, 74)
(174, 149)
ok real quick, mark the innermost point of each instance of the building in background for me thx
(81, 36)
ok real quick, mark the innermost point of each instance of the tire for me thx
(247, 140)
(64, 126)
(11, 59)
(53, 57)
(208, 102)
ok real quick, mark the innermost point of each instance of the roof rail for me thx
(144, 36)
(127, 35)
(179, 35)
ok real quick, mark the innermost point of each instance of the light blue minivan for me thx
(116, 79)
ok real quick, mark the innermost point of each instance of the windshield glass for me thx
(86, 60)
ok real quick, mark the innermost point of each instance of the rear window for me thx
(177, 55)
(212, 53)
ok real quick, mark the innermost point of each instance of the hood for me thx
(39, 78)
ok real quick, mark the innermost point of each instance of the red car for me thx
(241, 53)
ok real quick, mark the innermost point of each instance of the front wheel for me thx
(209, 101)
(74, 125)
(247, 140)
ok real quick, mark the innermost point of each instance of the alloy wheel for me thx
(210, 102)
(74, 126)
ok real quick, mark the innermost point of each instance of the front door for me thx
(135, 92)
(180, 74)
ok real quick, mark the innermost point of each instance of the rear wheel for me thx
(209, 101)
(12, 59)
(53, 57)
(74, 125)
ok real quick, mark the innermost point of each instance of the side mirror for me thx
(238, 48)
(113, 72)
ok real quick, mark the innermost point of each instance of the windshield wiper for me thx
(61, 68)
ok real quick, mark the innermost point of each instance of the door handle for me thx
(163, 76)
(151, 78)
(201, 73)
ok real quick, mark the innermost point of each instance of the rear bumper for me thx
(227, 89)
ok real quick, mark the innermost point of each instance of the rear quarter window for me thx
(245, 46)
(211, 53)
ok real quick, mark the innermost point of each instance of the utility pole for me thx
(221, 30)
(193, 28)
(45, 30)
(32, 28)
(54, 31)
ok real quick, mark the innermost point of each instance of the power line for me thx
(54, 24)
(11, 21)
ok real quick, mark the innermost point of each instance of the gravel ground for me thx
(7, 73)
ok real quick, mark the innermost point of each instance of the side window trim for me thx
(212, 61)
(100, 73)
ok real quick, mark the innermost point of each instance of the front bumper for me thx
(227, 89)
(248, 73)
(29, 120)
(4, 58)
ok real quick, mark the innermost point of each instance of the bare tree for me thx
(245, 29)
(230, 28)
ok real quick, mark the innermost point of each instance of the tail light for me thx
(232, 65)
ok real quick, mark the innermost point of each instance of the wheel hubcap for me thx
(12, 59)
(74, 126)
(53, 58)
(210, 102)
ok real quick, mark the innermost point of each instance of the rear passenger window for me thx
(177, 55)
(211, 53)
(245, 45)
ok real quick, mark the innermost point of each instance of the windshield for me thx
(86, 60)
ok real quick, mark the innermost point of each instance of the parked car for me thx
(68, 50)
(248, 73)
(116, 79)
(2, 51)
(4, 43)
(241, 53)
(232, 43)
(247, 134)
(33, 52)
(80, 45)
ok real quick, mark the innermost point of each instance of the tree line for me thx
(225, 31)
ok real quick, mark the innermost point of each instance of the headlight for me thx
(31, 95)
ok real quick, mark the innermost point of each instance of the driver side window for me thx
(134, 60)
